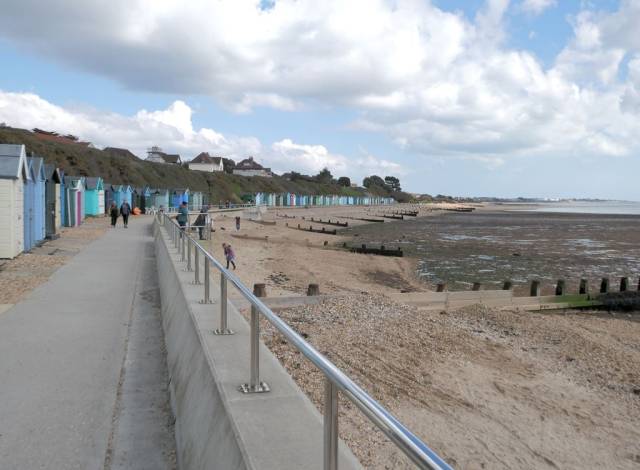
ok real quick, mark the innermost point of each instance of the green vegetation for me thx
(118, 167)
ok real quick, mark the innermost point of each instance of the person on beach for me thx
(201, 221)
(237, 224)
(113, 212)
(183, 215)
(229, 255)
(125, 210)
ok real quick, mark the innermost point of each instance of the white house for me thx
(156, 155)
(205, 162)
(13, 173)
(249, 167)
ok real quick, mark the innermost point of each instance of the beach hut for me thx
(196, 200)
(108, 196)
(52, 201)
(138, 198)
(74, 200)
(126, 192)
(38, 198)
(94, 196)
(178, 196)
(160, 198)
(13, 176)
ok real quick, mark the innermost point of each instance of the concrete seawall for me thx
(217, 427)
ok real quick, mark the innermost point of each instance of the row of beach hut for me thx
(291, 199)
(37, 199)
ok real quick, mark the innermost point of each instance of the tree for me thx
(344, 181)
(393, 183)
(373, 180)
(228, 165)
(324, 177)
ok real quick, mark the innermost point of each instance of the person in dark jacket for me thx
(113, 212)
(125, 210)
(201, 221)
(183, 215)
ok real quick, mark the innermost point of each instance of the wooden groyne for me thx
(314, 230)
(363, 219)
(382, 251)
(327, 222)
(391, 216)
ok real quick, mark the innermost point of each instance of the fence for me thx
(335, 380)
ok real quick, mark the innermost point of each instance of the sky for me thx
(532, 98)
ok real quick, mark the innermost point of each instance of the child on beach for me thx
(229, 255)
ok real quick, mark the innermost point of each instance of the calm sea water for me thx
(580, 207)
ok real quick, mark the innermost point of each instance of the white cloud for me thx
(537, 6)
(436, 82)
(172, 129)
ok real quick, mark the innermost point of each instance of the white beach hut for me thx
(13, 172)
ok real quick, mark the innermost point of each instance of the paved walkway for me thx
(83, 381)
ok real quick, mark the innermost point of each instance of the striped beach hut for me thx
(94, 196)
(13, 176)
(196, 200)
(160, 198)
(52, 201)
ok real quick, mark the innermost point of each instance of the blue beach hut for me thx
(39, 199)
(94, 196)
(178, 196)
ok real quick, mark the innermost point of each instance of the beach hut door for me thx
(78, 207)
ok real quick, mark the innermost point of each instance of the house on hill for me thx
(249, 167)
(205, 162)
(156, 155)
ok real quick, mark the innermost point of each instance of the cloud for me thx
(437, 83)
(536, 7)
(172, 129)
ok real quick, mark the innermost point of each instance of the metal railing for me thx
(335, 380)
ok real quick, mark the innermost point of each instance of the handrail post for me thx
(330, 425)
(255, 386)
(189, 255)
(224, 328)
(182, 243)
(196, 257)
(207, 272)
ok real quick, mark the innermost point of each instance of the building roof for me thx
(9, 167)
(250, 164)
(12, 150)
(38, 166)
(51, 172)
(204, 157)
(92, 183)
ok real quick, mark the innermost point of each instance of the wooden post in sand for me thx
(584, 287)
(624, 284)
(560, 287)
(604, 285)
(259, 290)
(313, 289)
(441, 287)
(535, 289)
(476, 286)
(507, 285)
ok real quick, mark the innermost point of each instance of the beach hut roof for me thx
(180, 191)
(93, 183)
(52, 173)
(10, 167)
(38, 166)
(14, 161)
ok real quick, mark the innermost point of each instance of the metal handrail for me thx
(335, 379)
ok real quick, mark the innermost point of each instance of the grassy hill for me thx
(125, 168)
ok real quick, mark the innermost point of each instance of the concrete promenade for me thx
(83, 380)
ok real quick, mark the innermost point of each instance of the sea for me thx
(544, 242)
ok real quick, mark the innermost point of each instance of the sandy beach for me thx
(485, 388)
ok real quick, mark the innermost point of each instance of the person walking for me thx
(183, 215)
(125, 210)
(113, 212)
(237, 224)
(229, 255)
